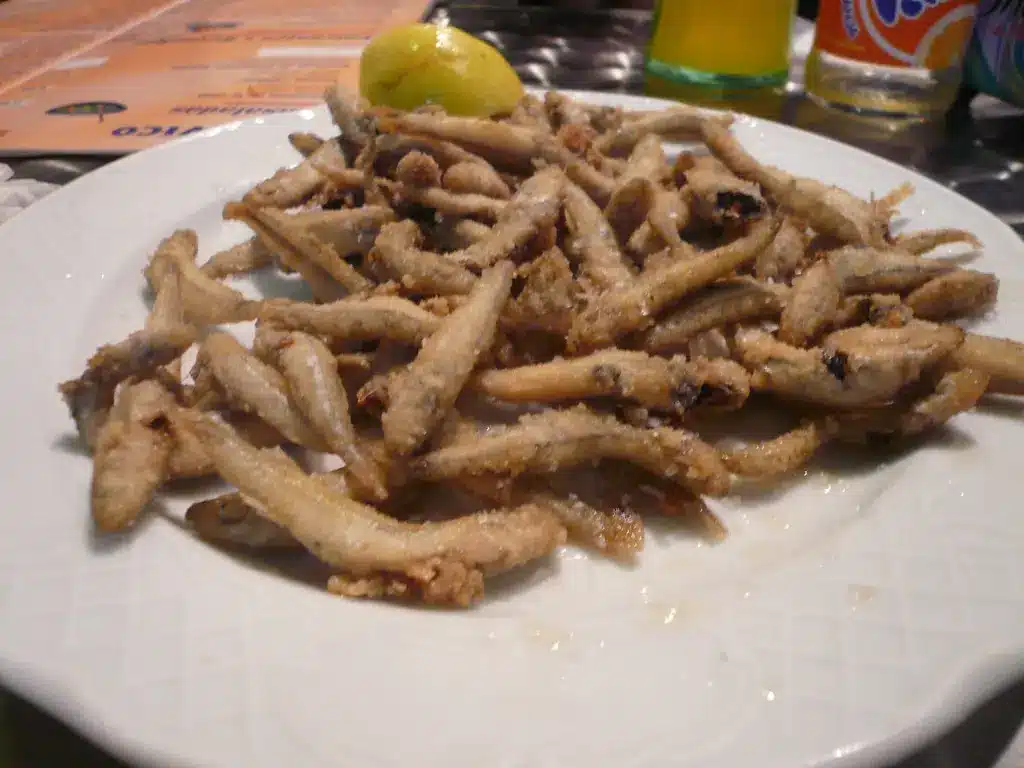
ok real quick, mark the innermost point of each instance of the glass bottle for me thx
(890, 57)
(704, 52)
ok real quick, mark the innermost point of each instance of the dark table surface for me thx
(587, 44)
(978, 150)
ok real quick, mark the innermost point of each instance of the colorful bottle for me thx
(718, 48)
(891, 57)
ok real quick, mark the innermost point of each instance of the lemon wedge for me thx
(416, 64)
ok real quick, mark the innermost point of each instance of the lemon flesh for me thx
(417, 64)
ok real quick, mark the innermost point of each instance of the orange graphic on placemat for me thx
(899, 33)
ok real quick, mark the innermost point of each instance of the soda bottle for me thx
(889, 57)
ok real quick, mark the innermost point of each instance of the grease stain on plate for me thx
(860, 595)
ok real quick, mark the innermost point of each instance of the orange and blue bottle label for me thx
(896, 33)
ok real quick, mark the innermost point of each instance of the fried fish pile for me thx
(512, 321)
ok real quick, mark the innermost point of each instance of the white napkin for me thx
(18, 194)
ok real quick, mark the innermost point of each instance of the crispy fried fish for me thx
(722, 198)
(812, 305)
(956, 391)
(442, 563)
(90, 397)
(299, 246)
(204, 301)
(780, 455)
(959, 293)
(247, 256)
(294, 186)
(884, 270)
(602, 262)
(633, 307)
(131, 457)
(612, 529)
(535, 205)
(1001, 359)
(783, 256)
(549, 297)
(930, 239)
(855, 367)
(354, 319)
(475, 179)
(317, 391)
(422, 394)
(829, 210)
(554, 440)
(256, 387)
(674, 385)
(397, 256)
(725, 302)
(681, 122)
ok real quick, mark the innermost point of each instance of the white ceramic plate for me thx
(850, 616)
